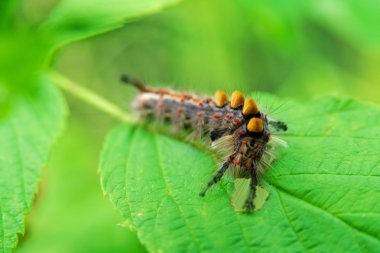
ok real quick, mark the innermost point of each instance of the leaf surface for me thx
(73, 20)
(323, 190)
(26, 135)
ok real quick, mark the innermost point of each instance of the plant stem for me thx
(90, 98)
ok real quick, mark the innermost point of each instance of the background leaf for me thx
(27, 134)
(68, 217)
(353, 20)
(7, 8)
(23, 60)
(71, 20)
(324, 189)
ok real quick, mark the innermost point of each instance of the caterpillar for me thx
(235, 127)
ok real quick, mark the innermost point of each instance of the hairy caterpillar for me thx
(237, 128)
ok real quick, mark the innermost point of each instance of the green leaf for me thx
(324, 190)
(23, 59)
(24, 54)
(73, 20)
(7, 8)
(27, 134)
(70, 216)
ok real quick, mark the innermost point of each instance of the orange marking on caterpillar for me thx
(228, 116)
(236, 121)
(216, 116)
(163, 92)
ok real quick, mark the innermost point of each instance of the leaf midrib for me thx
(170, 192)
(238, 221)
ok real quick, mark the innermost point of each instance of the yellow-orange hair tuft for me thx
(250, 107)
(255, 125)
(237, 99)
(220, 98)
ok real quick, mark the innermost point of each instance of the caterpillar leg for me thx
(248, 205)
(278, 125)
(216, 178)
(221, 171)
(217, 133)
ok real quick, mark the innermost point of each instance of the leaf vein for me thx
(330, 137)
(326, 212)
(325, 174)
(170, 192)
(129, 148)
(20, 160)
(290, 223)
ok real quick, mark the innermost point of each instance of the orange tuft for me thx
(250, 107)
(255, 125)
(221, 98)
(237, 99)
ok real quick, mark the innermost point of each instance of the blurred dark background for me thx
(296, 49)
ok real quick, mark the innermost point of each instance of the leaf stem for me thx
(90, 98)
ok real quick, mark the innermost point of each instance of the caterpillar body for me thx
(236, 128)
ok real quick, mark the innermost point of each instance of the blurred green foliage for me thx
(73, 20)
(292, 49)
(298, 49)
